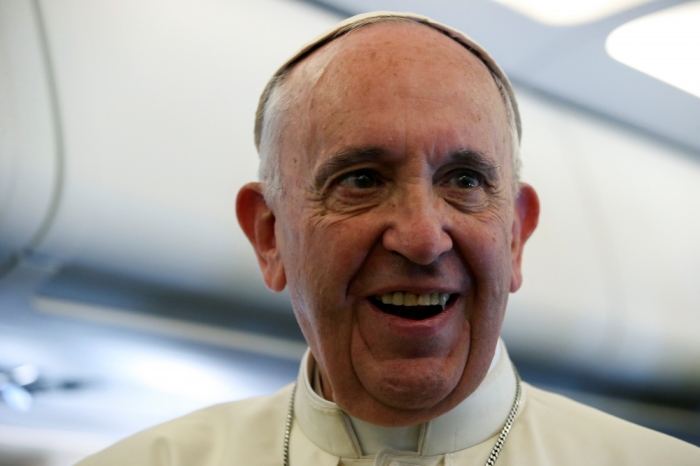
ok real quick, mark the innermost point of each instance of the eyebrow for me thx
(345, 159)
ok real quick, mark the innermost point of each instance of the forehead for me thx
(390, 77)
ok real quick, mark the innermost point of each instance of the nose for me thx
(417, 227)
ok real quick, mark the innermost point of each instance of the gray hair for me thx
(277, 98)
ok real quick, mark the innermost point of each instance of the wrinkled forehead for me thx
(378, 84)
(360, 21)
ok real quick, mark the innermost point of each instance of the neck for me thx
(475, 419)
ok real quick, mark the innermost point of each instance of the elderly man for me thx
(390, 206)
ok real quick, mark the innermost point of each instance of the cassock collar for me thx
(479, 417)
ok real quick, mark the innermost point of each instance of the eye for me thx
(360, 179)
(464, 179)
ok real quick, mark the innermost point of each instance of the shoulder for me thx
(555, 427)
(240, 432)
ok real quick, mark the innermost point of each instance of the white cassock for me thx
(548, 430)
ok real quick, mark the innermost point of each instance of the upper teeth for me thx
(400, 298)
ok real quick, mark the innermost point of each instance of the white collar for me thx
(477, 418)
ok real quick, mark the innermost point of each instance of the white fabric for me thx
(549, 430)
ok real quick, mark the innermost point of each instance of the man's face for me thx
(398, 189)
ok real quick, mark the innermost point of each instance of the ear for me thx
(258, 224)
(527, 213)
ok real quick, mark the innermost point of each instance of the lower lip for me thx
(417, 328)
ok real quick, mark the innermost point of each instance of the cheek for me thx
(485, 244)
(321, 263)
(340, 244)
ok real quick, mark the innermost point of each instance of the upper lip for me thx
(413, 288)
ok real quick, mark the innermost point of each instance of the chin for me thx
(413, 389)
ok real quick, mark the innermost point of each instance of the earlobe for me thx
(527, 213)
(258, 223)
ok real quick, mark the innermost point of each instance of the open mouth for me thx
(412, 306)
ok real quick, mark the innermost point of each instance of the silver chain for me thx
(500, 441)
(288, 426)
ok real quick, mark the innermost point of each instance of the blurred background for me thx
(129, 296)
